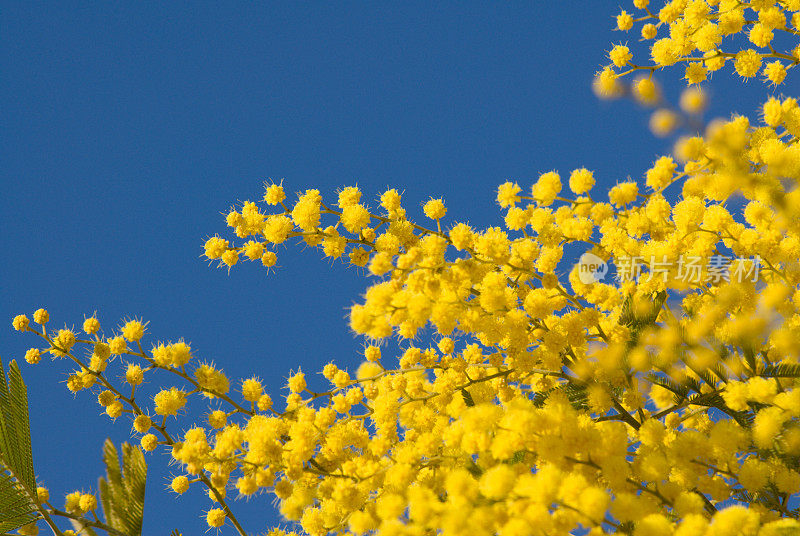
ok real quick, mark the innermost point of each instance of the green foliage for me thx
(576, 393)
(467, 398)
(17, 481)
(122, 491)
(786, 370)
(637, 323)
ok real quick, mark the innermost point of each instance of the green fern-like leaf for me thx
(638, 322)
(714, 400)
(17, 481)
(122, 491)
(541, 397)
(577, 395)
(680, 391)
(789, 370)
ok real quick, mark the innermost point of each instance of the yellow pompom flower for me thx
(747, 63)
(215, 517)
(218, 419)
(593, 503)
(547, 188)
(773, 112)
(620, 55)
(354, 218)
(117, 346)
(72, 502)
(297, 382)
(696, 72)
(134, 374)
(760, 35)
(446, 345)
(211, 380)
(653, 524)
(63, 342)
(660, 175)
(497, 481)
(133, 330)
(101, 350)
(179, 484)
(230, 257)
(434, 209)
(264, 402)
(114, 409)
(180, 353)
(33, 356)
(149, 442)
(269, 259)
(251, 389)
(581, 181)
(341, 378)
(606, 84)
(372, 353)
(87, 502)
(646, 91)
(707, 37)
(105, 398)
(169, 402)
(306, 212)
(215, 247)
(775, 72)
(624, 21)
(507, 194)
(277, 228)
(664, 53)
(142, 423)
(350, 195)
(253, 250)
(773, 17)
(247, 486)
(41, 316)
(20, 323)
(390, 200)
(663, 122)
(74, 383)
(623, 193)
(693, 100)
(274, 194)
(462, 236)
(91, 325)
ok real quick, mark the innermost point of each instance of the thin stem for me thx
(87, 522)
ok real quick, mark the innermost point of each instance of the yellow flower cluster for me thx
(522, 402)
(539, 404)
(704, 35)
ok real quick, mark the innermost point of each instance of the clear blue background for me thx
(128, 128)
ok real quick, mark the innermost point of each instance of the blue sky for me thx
(130, 128)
